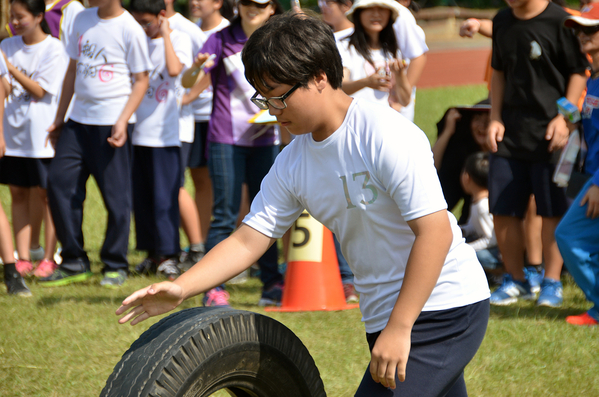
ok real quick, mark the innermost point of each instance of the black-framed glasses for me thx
(248, 3)
(586, 30)
(277, 102)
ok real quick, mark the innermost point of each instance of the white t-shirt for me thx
(69, 12)
(410, 37)
(480, 226)
(25, 118)
(343, 34)
(198, 38)
(202, 107)
(107, 52)
(158, 114)
(360, 68)
(364, 183)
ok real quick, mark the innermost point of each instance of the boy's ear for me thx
(162, 13)
(321, 80)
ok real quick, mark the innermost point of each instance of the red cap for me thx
(589, 16)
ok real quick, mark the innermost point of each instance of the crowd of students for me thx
(142, 101)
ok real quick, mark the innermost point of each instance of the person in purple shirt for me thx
(238, 151)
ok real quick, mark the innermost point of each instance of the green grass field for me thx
(66, 341)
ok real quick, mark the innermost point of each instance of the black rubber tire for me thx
(195, 352)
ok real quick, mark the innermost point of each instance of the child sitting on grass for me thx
(478, 230)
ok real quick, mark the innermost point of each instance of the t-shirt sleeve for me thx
(576, 61)
(138, 58)
(275, 207)
(404, 165)
(51, 69)
(70, 12)
(410, 37)
(3, 67)
(496, 61)
(182, 47)
(72, 42)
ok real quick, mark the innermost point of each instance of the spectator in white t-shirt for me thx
(108, 73)
(373, 66)
(367, 174)
(34, 59)
(333, 13)
(156, 170)
(15, 285)
(190, 218)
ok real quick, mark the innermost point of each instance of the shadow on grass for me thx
(531, 311)
(92, 300)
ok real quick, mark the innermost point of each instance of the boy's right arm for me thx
(229, 258)
(68, 88)
(496, 128)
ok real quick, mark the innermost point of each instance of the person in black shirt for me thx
(535, 62)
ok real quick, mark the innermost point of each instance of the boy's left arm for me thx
(558, 130)
(173, 65)
(433, 240)
(118, 136)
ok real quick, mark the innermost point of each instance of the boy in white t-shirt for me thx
(156, 172)
(190, 218)
(367, 174)
(108, 73)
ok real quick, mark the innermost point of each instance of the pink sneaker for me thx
(45, 268)
(24, 267)
(216, 297)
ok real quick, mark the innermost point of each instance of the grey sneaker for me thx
(114, 279)
(188, 259)
(168, 268)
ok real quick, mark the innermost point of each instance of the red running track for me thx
(455, 67)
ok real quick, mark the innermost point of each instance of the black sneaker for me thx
(188, 259)
(147, 267)
(15, 285)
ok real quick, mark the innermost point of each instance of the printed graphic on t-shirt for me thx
(590, 103)
(158, 88)
(369, 193)
(18, 93)
(87, 66)
(535, 50)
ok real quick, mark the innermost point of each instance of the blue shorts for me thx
(443, 343)
(24, 171)
(511, 182)
(198, 157)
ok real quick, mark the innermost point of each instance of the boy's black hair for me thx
(477, 167)
(359, 39)
(35, 8)
(147, 6)
(292, 48)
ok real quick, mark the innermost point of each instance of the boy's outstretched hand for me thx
(151, 301)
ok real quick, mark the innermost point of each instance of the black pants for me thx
(443, 343)
(81, 151)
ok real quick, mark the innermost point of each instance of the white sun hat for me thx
(389, 4)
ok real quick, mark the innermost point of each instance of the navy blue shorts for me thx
(198, 157)
(24, 171)
(511, 182)
(185, 155)
(443, 343)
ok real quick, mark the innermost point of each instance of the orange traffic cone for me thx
(312, 281)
